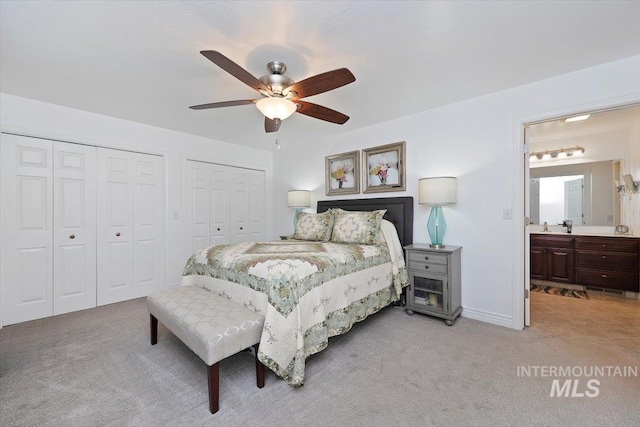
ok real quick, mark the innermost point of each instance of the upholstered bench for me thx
(213, 327)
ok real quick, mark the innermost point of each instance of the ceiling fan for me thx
(281, 95)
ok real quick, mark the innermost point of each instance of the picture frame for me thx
(342, 173)
(384, 168)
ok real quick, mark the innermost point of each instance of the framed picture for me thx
(342, 173)
(384, 168)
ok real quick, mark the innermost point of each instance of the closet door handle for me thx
(117, 234)
(73, 236)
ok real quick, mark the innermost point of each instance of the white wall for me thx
(477, 141)
(34, 117)
(633, 167)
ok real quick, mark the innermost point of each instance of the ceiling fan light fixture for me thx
(276, 108)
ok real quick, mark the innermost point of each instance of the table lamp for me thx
(437, 191)
(298, 199)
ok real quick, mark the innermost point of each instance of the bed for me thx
(309, 291)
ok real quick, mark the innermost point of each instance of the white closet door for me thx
(219, 205)
(197, 207)
(148, 221)
(256, 206)
(115, 239)
(74, 236)
(239, 205)
(27, 220)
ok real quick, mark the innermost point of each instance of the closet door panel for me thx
(219, 205)
(27, 217)
(115, 244)
(74, 237)
(239, 205)
(197, 207)
(148, 224)
(255, 213)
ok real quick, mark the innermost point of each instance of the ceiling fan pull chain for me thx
(278, 139)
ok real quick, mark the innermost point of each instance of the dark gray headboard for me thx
(399, 212)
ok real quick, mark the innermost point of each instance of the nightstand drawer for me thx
(427, 257)
(428, 267)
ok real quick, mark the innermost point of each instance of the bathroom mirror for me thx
(583, 193)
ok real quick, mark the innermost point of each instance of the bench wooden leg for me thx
(214, 387)
(259, 370)
(154, 330)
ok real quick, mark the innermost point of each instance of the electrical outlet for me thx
(176, 215)
(506, 213)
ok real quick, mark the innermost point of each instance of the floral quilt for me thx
(307, 291)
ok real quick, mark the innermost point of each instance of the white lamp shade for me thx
(438, 191)
(299, 198)
(276, 108)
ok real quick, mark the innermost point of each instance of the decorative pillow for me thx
(360, 228)
(316, 227)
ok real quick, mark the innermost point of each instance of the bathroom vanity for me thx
(594, 261)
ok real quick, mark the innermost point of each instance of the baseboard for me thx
(488, 317)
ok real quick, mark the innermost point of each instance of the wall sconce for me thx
(298, 199)
(558, 153)
(628, 186)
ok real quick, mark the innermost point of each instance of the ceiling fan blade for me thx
(223, 104)
(323, 113)
(271, 125)
(322, 83)
(235, 70)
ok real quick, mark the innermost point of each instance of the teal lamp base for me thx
(295, 217)
(436, 227)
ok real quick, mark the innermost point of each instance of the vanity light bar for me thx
(558, 153)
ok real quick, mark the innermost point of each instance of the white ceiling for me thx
(140, 61)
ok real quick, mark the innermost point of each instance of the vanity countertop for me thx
(584, 233)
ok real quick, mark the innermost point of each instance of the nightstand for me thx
(434, 281)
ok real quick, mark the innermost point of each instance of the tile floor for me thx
(601, 320)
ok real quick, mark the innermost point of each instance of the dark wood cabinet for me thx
(601, 262)
(552, 258)
(607, 262)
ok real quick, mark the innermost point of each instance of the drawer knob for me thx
(426, 267)
(604, 257)
(218, 228)
(73, 236)
(117, 234)
(604, 276)
(241, 228)
(604, 246)
(426, 258)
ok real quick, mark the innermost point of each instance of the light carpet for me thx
(96, 368)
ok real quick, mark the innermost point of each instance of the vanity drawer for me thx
(608, 280)
(607, 260)
(427, 257)
(552, 241)
(428, 267)
(616, 244)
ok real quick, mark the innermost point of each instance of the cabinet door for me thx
(148, 224)
(220, 231)
(256, 206)
(27, 220)
(428, 293)
(115, 239)
(560, 265)
(538, 263)
(198, 208)
(74, 235)
(239, 205)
